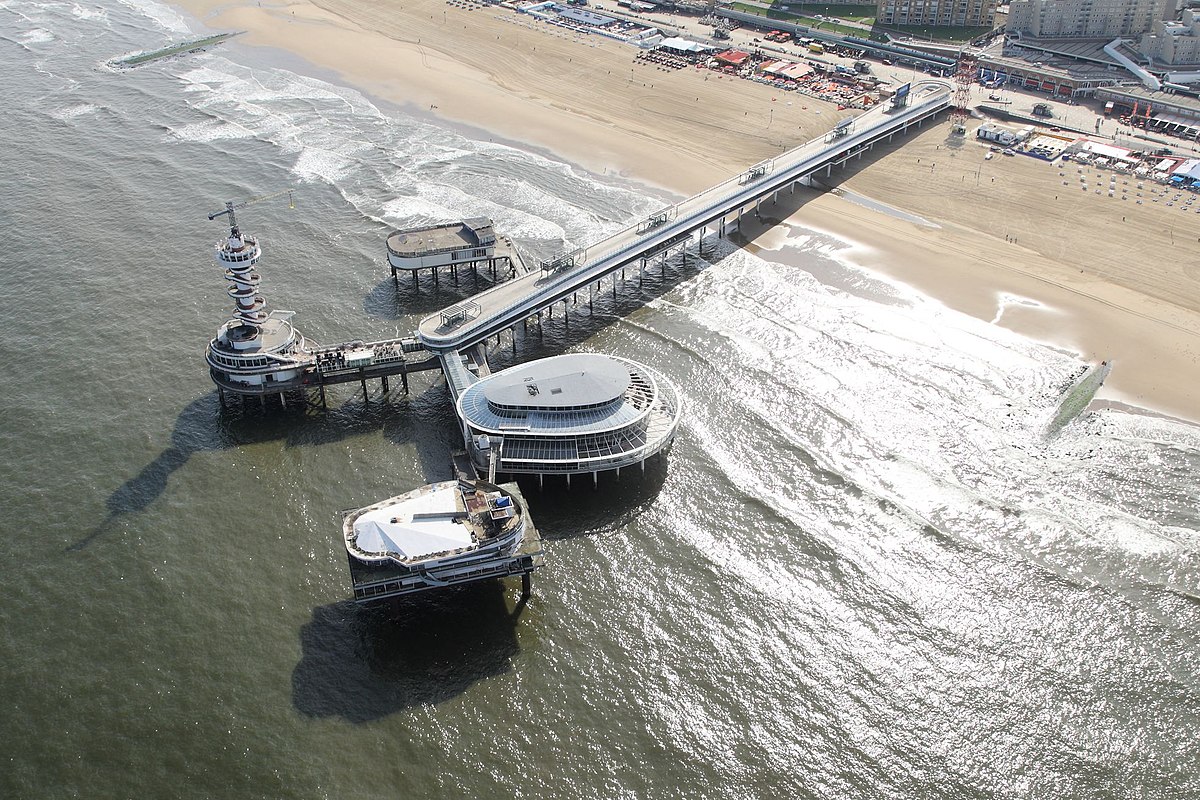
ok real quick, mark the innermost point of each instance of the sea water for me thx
(865, 569)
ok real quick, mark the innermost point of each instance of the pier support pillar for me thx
(324, 405)
(595, 480)
(364, 385)
(643, 463)
(526, 585)
(568, 480)
(541, 481)
(404, 381)
(435, 275)
(513, 333)
(383, 381)
(221, 396)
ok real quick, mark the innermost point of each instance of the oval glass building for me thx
(568, 415)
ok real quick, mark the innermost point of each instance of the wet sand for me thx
(1107, 278)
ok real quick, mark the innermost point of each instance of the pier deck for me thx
(503, 306)
(349, 362)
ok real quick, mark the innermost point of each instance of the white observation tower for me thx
(255, 352)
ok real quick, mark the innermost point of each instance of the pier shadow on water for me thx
(205, 426)
(405, 295)
(362, 663)
(584, 509)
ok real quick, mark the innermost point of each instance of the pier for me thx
(257, 353)
(530, 438)
(558, 279)
(576, 414)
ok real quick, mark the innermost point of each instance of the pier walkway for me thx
(349, 362)
(501, 307)
(363, 361)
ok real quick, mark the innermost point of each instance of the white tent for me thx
(416, 528)
(1189, 169)
(685, 45)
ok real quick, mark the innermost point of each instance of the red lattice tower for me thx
(963, 79)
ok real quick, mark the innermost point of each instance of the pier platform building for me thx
(471, 243)
(442, 245)
(574, 414)
(259, 359)
(442, 534)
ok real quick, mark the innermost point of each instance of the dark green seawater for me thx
(862, 571)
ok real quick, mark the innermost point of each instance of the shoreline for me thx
(1121, 300)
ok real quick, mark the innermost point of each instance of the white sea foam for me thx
(161, 14)
(933, 411)
(414, 210)
(90, 14)
(211, 130)
(79, 110)
(35, 36)
(1005, 301)
(515, 221)
(400, 170)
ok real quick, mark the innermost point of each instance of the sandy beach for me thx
(1104, 277)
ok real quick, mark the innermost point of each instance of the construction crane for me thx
(231, 207)
(962, 92)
